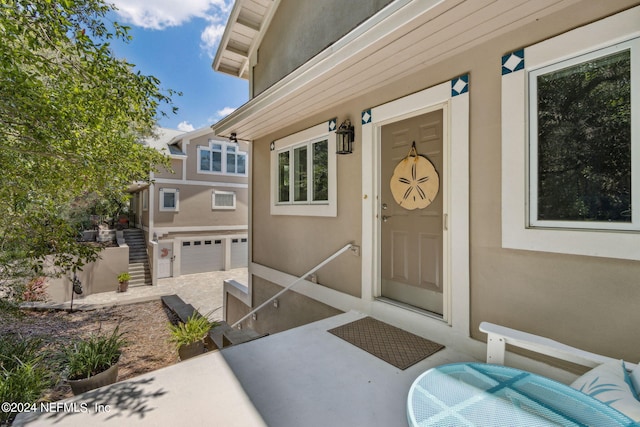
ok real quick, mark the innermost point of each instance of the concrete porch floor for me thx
(301, 377)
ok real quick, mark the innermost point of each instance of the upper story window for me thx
(571, 170)
(222, 158)
(303, 171)
(169, 200)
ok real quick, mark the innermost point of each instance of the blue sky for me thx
(175, 41)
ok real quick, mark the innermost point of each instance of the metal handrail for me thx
(313, 270)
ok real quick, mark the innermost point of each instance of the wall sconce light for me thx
(344, 138)
(233, 137)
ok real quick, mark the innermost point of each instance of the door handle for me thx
(385, 218)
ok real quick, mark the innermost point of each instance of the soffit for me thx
(247, 21)
(399, 40)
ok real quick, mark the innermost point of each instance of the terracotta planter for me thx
(103, 378)
(187, 351)
(123, 286)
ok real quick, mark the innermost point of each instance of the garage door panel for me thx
(239, 253)
(200, 256)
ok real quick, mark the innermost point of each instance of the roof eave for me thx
(225, 47)
(402, 38)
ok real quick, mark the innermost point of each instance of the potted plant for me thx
(123, 281)
(189, 336)
(93, 362)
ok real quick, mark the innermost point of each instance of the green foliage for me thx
(23, 375)
(87, 357)
(123, 277)
(584, 141)
(71, 120)
(195, 329)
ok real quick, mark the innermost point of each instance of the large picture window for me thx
(571, 169)
(580, 142)
(304, 174)
(222, 158)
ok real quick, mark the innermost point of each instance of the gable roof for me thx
(246, 25)
(163, 139)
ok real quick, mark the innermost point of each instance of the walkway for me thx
(202, 290)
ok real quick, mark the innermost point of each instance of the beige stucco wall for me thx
(96, 277)
(174, 173)
(195, 207)
(297, 244)
(297, 22)
(587, 302)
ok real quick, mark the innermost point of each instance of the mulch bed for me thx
(144, 326)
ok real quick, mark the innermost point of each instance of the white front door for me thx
(165, 259)
(411, 253)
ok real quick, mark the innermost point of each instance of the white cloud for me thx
(225, 112)
(211, 36)
(185, 126)
(221, 114)
(161, 14)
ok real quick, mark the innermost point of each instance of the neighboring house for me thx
(195, 215)
(529, 113)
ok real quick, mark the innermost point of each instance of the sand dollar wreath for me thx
(415, 182)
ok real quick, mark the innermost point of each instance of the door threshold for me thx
(411, 308)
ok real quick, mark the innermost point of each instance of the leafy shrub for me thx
(15, 350)
(195, 329)
(123, 277)
(87, 357)
(23, 374)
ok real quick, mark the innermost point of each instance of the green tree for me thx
(72, 116)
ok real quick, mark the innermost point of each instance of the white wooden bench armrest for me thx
(499, 336)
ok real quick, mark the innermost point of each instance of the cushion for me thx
(635, 379)
(607, 384)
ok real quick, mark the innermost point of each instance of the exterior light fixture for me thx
(233, 137)
(344, 138)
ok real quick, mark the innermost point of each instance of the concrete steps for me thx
(224, 335)
(138, 260)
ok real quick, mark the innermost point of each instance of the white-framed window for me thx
(220, 157)
(571, 170)
(223, 200)
(303, 173)
(169, 200)
(145, 200)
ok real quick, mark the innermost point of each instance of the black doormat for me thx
(393, 345)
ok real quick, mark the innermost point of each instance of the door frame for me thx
(453, 95)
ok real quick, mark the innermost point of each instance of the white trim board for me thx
(203, 183)
(456, 298)
(516, 233)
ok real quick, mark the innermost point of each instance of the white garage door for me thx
(239, 253)
(200, 256)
